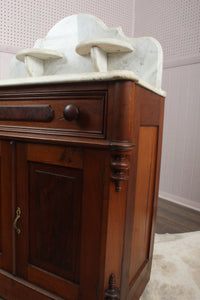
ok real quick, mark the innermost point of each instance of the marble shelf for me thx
(34, 59)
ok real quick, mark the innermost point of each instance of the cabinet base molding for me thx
(12, 287)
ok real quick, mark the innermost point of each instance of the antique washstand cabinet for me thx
(79, 184)
(80, 148)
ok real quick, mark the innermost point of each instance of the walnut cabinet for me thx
(79, 184)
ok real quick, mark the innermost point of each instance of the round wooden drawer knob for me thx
(71, 112)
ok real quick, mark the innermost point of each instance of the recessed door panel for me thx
(54, 219)
(50, 197)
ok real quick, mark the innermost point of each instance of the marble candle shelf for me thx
(98, 49)
(34, 59)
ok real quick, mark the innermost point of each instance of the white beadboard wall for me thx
(180, 167)
(176, 24)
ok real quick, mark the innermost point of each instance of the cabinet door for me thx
(7, 198)
(49, 193)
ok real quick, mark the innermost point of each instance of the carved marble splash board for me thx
(82, 44)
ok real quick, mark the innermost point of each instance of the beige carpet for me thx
(176, 268)
(175, 271)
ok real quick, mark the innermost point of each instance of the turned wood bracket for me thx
(120, 167)
(112, 292)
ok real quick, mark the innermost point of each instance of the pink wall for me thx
(176, 24)
(22, 22)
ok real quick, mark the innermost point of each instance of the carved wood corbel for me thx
(120, 167)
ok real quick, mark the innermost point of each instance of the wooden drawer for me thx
(49, 113)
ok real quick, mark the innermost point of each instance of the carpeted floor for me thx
(175, 271)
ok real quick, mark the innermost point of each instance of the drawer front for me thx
(63, 114)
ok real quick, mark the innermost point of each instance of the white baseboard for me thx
(180, 200)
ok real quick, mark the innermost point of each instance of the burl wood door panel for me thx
(51, 222)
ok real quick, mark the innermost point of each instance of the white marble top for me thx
(82, 48)
(83, 77)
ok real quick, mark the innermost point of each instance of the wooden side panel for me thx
(144, 199)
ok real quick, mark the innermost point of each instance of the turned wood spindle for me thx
(112, 292)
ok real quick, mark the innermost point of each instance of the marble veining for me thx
(84, 44)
